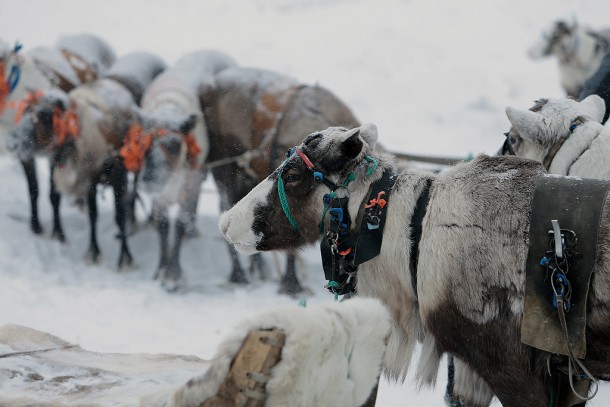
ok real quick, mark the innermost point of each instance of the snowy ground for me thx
(434, 76)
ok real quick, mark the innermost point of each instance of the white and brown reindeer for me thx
(567, 137)
(74, 60)
(579, 51)
(253, 116)
(450, 265)
(169, 151)
(81, 133)
(40, 70)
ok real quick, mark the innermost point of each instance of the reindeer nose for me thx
(224, 225)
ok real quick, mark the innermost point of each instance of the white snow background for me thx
(434, 76)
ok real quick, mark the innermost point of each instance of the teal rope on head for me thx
(350, 177)
(284, 201)
(372, 165)
(334, 284)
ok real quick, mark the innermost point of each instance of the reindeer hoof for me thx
(125, 262)
(290, 288)
(93, 257)
(36, 228)
(173, 286)
(238, 278)
(58, 235)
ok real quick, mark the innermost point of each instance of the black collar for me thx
(416, 230)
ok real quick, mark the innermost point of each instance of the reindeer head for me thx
(555, 41)
(165, 147)
(539, 132)
(285, 210)
(39, 120)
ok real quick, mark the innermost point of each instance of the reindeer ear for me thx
(368, 131)
(596, 107)
(528, 124)
(189, 124)
(351, 143)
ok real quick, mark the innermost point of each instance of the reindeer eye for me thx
(292, 177)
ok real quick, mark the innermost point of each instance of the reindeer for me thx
(566, 136)
(579, 50)
(81, 132)
(169, 150)
(253, 116)
(40, 70)
(74, 60)
(449, 267)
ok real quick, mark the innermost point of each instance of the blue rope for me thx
(13, 78)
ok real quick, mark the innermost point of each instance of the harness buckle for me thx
(336, 215)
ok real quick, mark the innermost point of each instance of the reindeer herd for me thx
(450, 270)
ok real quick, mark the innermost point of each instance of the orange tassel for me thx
(29, 99)
(192, 149)
(65, 124)
(136, 144)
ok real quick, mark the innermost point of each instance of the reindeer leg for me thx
(162, 220)
(257, 263)
(290, 283)
(93, 254)
(190, 205)
(172, 280)
(228, 198)
(131, 197)
(29, 167)
(237, 274)
(119, 185)
(58, 231)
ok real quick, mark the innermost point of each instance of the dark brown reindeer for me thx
(81, 133)
(450, 265)
(255, 114)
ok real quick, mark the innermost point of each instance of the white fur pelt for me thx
(332, 356)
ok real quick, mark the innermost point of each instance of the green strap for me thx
(284, 201)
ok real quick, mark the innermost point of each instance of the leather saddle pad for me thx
(577, 204)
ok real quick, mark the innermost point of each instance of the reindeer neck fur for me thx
(584, 153)
(388, 277)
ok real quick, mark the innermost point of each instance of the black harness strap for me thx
(341, 259)
(416, 229)
(370, 236)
